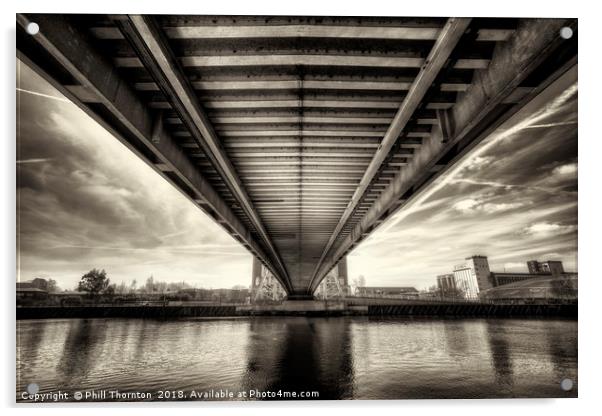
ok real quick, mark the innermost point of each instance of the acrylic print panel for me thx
(232, 208)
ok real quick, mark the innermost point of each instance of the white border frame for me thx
(590, 150)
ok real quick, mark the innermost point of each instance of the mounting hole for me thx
(566, 32)
(32, 28)
(33, 388)
(566, 384)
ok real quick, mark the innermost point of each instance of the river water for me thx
(339, 358)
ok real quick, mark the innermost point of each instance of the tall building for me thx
(480, 265)
(466, 281)
(534, 266)
(473, 276)
(446, 282)
(553, 267)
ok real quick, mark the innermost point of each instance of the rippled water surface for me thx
(340, 358)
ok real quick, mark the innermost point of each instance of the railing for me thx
(358, 300)
(414, 299)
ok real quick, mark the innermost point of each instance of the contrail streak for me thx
(39, 94)
(529, 122)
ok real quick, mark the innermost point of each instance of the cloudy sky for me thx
(513, 198)
(85, 201)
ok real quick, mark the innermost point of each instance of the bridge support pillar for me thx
(264, 286)
(343, 276)
(336, 283)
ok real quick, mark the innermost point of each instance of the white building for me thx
(473, 276)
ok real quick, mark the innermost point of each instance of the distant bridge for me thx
(298, 135)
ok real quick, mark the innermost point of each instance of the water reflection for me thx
(32, 339)
(468, 358)
(80, 351)
(338, 357)
(300, 355)
(141, 339)
(562, 350)
(500, 354)
(456, 337)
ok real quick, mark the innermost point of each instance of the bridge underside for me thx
(299, 135)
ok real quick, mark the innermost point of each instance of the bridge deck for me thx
(299, 135)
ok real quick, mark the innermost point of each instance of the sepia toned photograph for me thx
(266, 207)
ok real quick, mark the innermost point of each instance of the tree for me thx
(110, 290)
(122, 288)
(52, 286)
(362, 280)
(359, 281)
(177, 286)
(40, 283)
(94, 282)
(453, 292)
(160, 287)
(239, 287)
(149, 286)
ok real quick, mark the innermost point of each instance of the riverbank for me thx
(297, 309)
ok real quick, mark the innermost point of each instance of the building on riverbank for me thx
(474, 276)
(546, 288)
(553, 267)
(30, 293)
(386, 291)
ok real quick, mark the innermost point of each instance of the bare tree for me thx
(122, 289)
(149, 286)
(359, 281)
